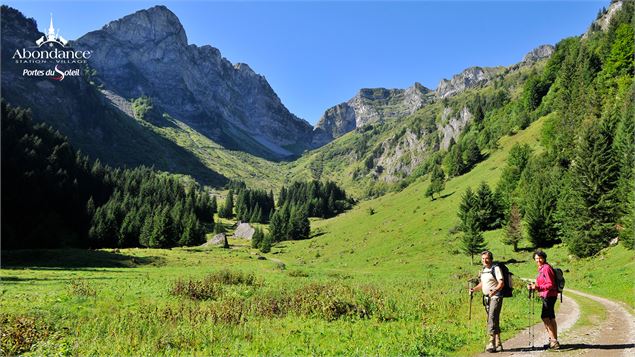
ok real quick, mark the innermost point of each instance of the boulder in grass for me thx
(218, 239)
(245, 231)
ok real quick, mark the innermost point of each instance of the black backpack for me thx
(559, 280)
(507, 279)
(559, 274)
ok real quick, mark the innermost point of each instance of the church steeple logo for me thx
(52, 37)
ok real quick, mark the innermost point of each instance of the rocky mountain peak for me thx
(146, 54)
(538, 53)
(369, 105)
(153, 25)
(469, 78)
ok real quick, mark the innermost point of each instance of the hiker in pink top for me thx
(548, 288)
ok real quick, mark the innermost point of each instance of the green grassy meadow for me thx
(389, 283)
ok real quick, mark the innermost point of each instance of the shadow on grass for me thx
(447, 195)
(575, 346)
(72, 259)
(16, 279)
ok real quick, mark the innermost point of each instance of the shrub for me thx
(205, 289)
(82, 288)
(20, 334)
(228, 277)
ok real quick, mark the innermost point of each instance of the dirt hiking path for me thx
(613, 336)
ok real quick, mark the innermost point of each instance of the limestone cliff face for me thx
(538, 53)
(602, 23)
(454, 125)
(370, 105)
(469, 78)
(147, 54)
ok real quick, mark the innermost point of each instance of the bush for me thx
(82, 288)
(20, 334)
(205, 289)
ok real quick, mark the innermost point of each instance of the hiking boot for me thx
(490, 347)
(554, 345)
(499, 348)
(548, 344)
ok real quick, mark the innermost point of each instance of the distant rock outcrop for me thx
(370, 105)
(245, 231)
(454, 125)
(469, 78)
(147, 54)
(538, 53)
(218, 239)
(602, 23)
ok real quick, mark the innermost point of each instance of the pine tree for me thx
(472, 241)
(160, 237)
(590, 210)
(517, 160)
(90, 207)
(265, 246)
(188, 233)
(219, 228)
(257, 238)
(129, 230)
(472, 154)
(304, 228)
(467, 205)
(228, 209)
(256, 216)
(437, 181)
(488, 208)
(624, 147)
(514, 232)
(277, 227)
(454, 160)
(541, 190)
(146, 231)
(213, 205)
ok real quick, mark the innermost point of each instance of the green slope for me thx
(408, 232)
(388, 156)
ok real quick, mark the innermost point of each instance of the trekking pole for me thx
(530, 316)
(532, 293)
(469, 285)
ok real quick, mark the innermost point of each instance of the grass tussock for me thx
(211, 286)
(19, 334)
(82, 288)
(326, 301)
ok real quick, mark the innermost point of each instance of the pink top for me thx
(546, 281)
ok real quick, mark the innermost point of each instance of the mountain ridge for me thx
(147, 54)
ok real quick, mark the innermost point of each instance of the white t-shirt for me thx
(488, 282)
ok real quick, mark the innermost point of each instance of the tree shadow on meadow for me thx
(73, 259)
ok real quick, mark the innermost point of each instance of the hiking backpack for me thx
(507, 279)
(559, 280)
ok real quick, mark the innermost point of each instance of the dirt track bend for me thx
(613, 336)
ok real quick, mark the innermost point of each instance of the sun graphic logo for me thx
(52, 37)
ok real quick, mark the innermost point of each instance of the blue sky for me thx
(316, 54)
